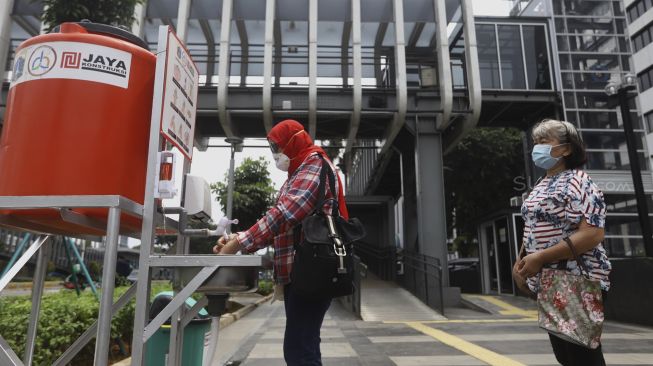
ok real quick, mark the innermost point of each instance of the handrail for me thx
(421, 263)
(380, 260)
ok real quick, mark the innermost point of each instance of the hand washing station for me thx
(107, 172)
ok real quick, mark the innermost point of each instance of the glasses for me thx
(274, 147)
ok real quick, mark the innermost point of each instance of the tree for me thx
(481, 175)
(253, 192)
(112, 12)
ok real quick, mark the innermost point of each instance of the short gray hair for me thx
(566, 133)
(562, 131)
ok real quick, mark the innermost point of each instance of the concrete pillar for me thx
(183, 12)
(6, 8)
(138, 26)
(431, 208)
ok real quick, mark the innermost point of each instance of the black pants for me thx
(301, 343)
(569, 354)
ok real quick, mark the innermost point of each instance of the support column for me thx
(138, 26)
(108, 283)
(175, 346)
(312, 68)
(183, 12)
(142, 308)
(267, 64)
(431, 209)
(5, 33)
(37, 292)
(224, 66)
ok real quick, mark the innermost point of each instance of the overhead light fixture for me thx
(611, 89)
(629, 80)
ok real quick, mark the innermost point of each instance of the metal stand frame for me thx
(144, 329)
(152, 217)
(116, 205)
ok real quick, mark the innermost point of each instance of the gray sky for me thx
(492, 7)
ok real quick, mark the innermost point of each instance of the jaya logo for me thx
(106, 64)
(70, 60)
(42, 60)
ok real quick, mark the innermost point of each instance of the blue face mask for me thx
(542, 156)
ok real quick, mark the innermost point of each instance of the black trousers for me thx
(570, 354)
(301, 342)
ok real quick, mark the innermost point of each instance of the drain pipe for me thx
(453, 136)
(216, 307)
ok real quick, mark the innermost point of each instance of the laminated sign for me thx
(72, 60)
(179, 96)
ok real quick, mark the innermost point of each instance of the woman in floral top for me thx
(563, 204)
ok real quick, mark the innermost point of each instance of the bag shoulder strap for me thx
(297, 230)
(326, 168)
(581, 264)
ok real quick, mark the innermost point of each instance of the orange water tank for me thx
(77, 123)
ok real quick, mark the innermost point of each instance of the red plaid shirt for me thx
(297, 199)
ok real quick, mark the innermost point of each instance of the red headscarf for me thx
(296, 143)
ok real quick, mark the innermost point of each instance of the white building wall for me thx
(641, 61)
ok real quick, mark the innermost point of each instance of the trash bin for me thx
(196, 335)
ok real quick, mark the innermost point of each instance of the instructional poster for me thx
(179, 97)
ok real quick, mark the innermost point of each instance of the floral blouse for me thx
(553, 211)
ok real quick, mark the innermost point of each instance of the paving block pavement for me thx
(505, 335)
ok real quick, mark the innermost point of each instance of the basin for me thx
(236, 273)
(224, 280)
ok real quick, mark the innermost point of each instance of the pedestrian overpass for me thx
(392, 84)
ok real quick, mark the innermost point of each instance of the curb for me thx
(225, 320)
(228, 319)
(470, 304)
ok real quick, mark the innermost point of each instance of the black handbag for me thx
(323, 266)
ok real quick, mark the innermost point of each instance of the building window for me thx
(488, 57)
(638, 8)
(512, 62)
(645, 79)
(642, 38)
(648, 118)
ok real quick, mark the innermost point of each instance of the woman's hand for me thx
(521, 281)
(530, 265)
(229, 245)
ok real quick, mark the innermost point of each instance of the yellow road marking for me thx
(528, 319)
(483, 354)
(508, 309)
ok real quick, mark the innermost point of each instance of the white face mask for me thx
(282, 161)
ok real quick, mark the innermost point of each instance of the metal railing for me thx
(423, 278)
(379, 260)
(10, 241)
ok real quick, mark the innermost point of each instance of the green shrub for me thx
(95, 270)
(64, 317)
(265, 287)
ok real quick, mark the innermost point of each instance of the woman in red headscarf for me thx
(293, 151)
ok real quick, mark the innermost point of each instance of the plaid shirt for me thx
(297, 199)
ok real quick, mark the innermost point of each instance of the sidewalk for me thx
(504, 334)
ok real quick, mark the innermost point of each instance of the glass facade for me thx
(593, 48)
(519, 60)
